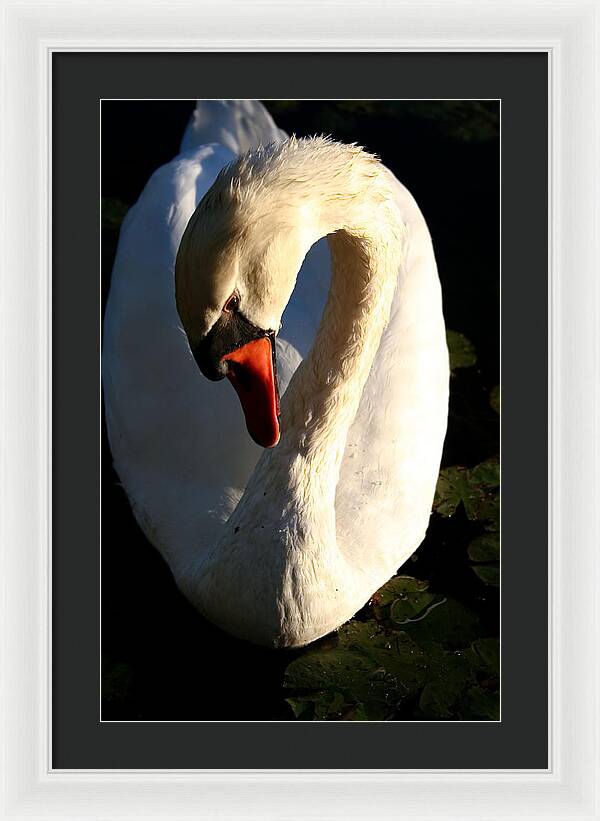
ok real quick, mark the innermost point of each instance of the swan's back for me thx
(238, 125)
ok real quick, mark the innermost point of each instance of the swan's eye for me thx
(232, 304)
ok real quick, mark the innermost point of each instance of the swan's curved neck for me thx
(366, 240)
(293, 486)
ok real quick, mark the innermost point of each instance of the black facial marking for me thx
(231, 331)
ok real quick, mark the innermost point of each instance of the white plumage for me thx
(283, 545)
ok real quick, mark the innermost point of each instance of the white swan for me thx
(282, 545)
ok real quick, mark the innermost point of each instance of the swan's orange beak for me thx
(251, 370)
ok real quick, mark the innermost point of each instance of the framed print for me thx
(494, 136)
(426, 676)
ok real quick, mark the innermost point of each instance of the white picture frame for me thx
(569, 33)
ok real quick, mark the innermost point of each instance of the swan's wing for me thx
(178, 441)
(236, 124)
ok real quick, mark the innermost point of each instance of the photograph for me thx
(300, 440)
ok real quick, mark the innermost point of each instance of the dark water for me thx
(161, 660)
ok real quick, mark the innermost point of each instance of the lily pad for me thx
(447, 622)
(486, 474)
(402, 597)
(452, 487)
(474, 487)
(304, 710)
(374, 670)
(461, 351)
(479, 704)
(485, 552)
(397, 586)
(370, 669)
(484, 655)
(412, 607)
(322, 706)
(485, 548)
(448, 675)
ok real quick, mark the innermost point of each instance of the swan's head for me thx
(235, 271)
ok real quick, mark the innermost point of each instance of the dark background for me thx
(447, 153)
(150, 630)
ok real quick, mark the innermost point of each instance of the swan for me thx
(303, 271)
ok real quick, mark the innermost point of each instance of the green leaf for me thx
(488, 573)
(452, 487)
(410, 606)
(485, 548)
(480, 704)
(303, 710)
(486, 655)
(474, 487)
(319, 706)
(485, 508)
(447, 622)
(397, 586)
(495, 398)
(362, 634)
(371, 671)
(486, 474)
(448, 675)
(402, 597)
(374, 669)
(461, 351)
(328, 669)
